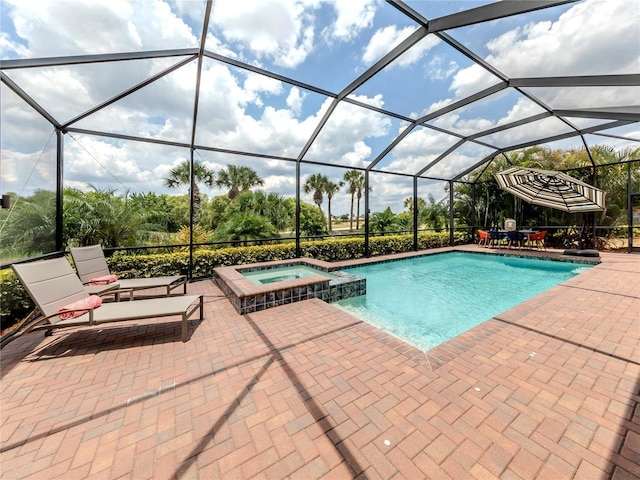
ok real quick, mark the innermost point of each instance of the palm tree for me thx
(383, 221)
(359, 188)
(181, 175)
(351, 179)
(408, 204)
(238, 179)
(316, 183)
(331, 188)
(272, 206)
(435, 214)
(245, 228)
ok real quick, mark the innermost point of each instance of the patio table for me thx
(527, 233)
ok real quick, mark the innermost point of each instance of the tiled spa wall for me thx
(345, 285)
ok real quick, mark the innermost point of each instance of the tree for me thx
(383, 221)
(238, 179)
(272, 206)
(217, 211)
(317, 184)
(101, 216)
(245, 228)
(30, 226)
(181, 175)
(311, 220)
(435, 214)
(351, 178)
(359, 188)
(331, 188)
(408, 204)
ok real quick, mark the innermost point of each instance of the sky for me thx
(323, 43)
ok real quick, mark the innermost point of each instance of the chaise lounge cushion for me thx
(72, 310)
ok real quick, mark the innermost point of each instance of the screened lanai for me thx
(418, 96)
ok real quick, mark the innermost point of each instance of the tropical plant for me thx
(238, 179)
(331, 188)
(311, 220)
(181, 175)
(30, 225)
(435, 214)
(245, 228)
(312, 227)
(159, 219)
(101, 216)
(359, 188)
(317, 184)
(383, 222)
(272, 206)
(200, 235)
(352, 180)
(408, 204)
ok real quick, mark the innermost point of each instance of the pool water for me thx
(284, 272)
(428, 300)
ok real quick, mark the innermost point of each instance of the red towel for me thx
(92, 301)
(104, 280)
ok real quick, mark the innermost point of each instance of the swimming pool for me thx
(428, 300)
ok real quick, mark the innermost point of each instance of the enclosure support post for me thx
(451, 213)
(298, 252)
(367, 252)
(629, 211)
(192, 181)
(59, 189)
(473, 213)
(415, 214)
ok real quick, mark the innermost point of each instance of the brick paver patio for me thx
(548, 389)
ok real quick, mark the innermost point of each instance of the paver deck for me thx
(548, 389)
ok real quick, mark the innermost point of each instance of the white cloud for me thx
(574, 44)
(387, 38)
(70, 27)
(295, 100)
(437, 69)
(278, 30)
(351, 18)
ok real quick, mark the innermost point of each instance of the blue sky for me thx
(324, 43)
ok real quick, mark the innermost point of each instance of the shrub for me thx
(15, 302)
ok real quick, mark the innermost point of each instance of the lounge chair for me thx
(54, 287)
(91, 265)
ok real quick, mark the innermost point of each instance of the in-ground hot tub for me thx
(283, 272)
(255, 287)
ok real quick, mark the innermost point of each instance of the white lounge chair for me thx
(53, 285)
(91, 264)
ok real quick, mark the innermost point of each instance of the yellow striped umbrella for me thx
(551, 189)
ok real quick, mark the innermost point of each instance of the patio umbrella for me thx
(551, 189)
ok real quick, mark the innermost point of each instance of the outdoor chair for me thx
(62, 301)
(92, 268)
(537, 240)
(483, 238)
(514, 238)
(496, 238)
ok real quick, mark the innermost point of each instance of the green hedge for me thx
(16, 302)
